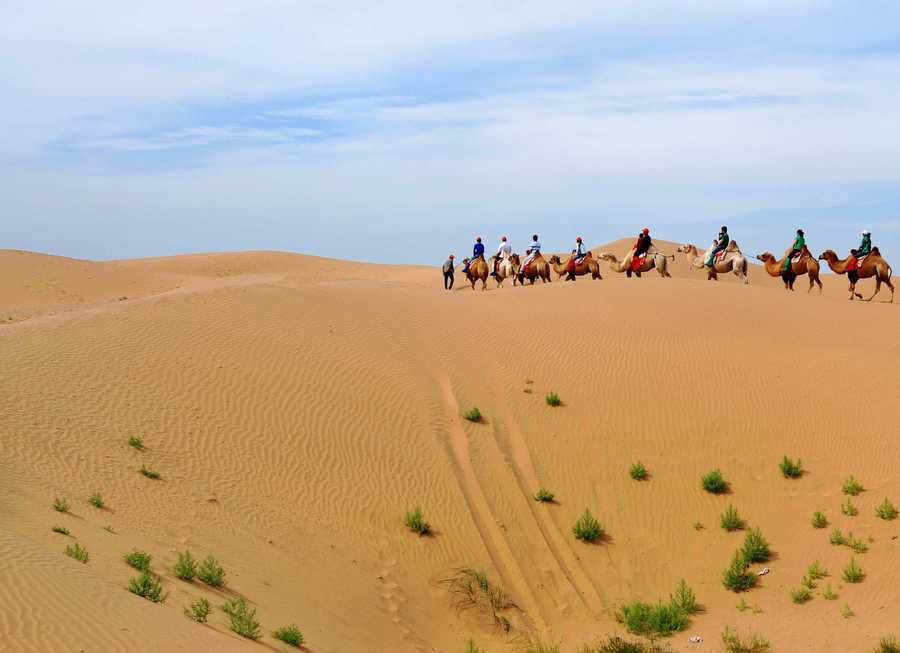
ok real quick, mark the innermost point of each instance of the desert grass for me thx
(147, 586)
(415, 521)
(750, 643)
(587, 528)
(77, 552)
(62, 530)
(185, 567)
(60, 504)
(698, 526)
(756, 548)
(828, 593)
(198, 610)
(138, 559)
(849, 509)
(242, 618)
(819, 520)
(470, 589)
(109, 529)
(136, 442)
(472, 647)
(684, 598)
(853, 573)
(473, 414)
(96, 500)
(149, 473)
(290, 635)
(730, 520)
(886, 510)
(887, 645)
(618, 645)
(544, 495)
(837, 537)
(801, 595)
(846, 612)
(553, 399)
(649, 620)
(638, 472)
(852, 486)
(540, 646)
(857, 545)
(736, 576)
(714, 482)
(790, 468)
(211, 572)
(816, 571)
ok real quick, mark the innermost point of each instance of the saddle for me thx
(638, 261)
(855, 262)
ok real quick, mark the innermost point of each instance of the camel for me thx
(538, 268)
(588, 264)
(806, 265)
(478, 269)
(654, 259)
(506, 268)
(733, 261)
(872, 266)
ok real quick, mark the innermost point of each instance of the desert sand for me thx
(296, 407)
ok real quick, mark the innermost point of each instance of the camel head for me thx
(685, 249)
(606, 256)
(555, 259)
(514, 259)
(828, 255)
(765, 257)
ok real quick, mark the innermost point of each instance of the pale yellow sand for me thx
(297, 406)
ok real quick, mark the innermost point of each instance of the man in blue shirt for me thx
(477, 251)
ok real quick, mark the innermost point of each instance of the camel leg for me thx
(877, 288)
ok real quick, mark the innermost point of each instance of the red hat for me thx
(451, 256)
(502, 237)
(578, 239)
(645, 230)
(477, 237)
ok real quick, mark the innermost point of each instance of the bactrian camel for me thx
(872, 266)
(537, 268)
(806, 264)
(654, 259)
(506, 269)
(733, 261)
(587, 265)
(478, 269)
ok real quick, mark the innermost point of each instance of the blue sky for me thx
(397, 131)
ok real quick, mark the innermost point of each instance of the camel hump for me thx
(875, 252)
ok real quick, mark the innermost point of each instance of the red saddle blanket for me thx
(854, 263)
(638, 261)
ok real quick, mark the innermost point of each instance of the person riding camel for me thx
(641, 246)
(864, 249)
(721, 245)
(796, 248)
(477, 250)
(533, 251)
(577, 257)
(504, 251)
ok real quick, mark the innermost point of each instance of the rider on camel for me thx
(477, 251)
(533, 251)
(641, 246)
(504, 251)
(577, 257)
(721, 244)
(796, 248)
(864, 249)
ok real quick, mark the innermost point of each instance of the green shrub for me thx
(540, 646)
(735, 643)
(96, 500)
(736, 577)
(198, 610)
(801, 595)
(242, 619)
(816, 571)
(888, 645)
(185, 567)
(211, 572)
(714, 482)
(415, 521)
(857, 545)
(730, 520)
(819, 520)
(618, 645)
(846, 612)
(756, 549)
(849, 509)
(853, 573)
(790, 468)
(553, 399)
(684, 598)
(471, 647)
(149, 473)
(136, 442)
(77, 551)
(148, 586)
(62, 530)
(587, 528)
(852, 486)
(60, 504)
(140, 560)
(473, 414)
(544, 495)
(828, 593)
(289, 635)
(651, 620)
(886, 510)
(638, 472)
(837, 537)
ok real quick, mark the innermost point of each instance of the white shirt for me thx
(505, 248)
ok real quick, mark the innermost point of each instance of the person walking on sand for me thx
(448, 273)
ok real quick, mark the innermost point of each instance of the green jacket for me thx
(723, 239)
(865, 246)
(799, 243)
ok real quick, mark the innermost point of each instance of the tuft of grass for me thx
(828, 593)
(730, 520)
(470, 590)
(849, 509)
(837, 537)
(77, 551)
(415, 521)
(853, 573)
(147, 586)
(471, 647)
(619, 645)
(185, 567)
(136, 442)
(587, 528)
(750, 643)
(650, 620)
(109, 529)
(149, 473)
(846, 612)
(714, 482)
(801, 595)
(211, 572)
(60, 504)
(756, 549)
(698, 526)
(685, 599)
(540, 646)
(638, 472)
(62, 530)
(736, 577)
(473, 414)
(742, 605)
(198, 610)
(790, 468)
(819, 520)
(852, 486)
(857, 545)
(138, 559)
(816, 571)
(544, 495)
(242, 619)
(290, 635)
(553, 399)
(96, 500)
(886, 510)
(888, 645)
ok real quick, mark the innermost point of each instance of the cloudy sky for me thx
(397, 131)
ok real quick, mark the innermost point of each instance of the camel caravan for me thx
(723, 256)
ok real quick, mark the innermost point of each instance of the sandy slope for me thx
(297, 406)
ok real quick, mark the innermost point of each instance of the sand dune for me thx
(296, 407)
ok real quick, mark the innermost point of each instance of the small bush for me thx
(684, 598)
(149, 473)
(736, 577)
(415, 521)
(140, 560)
(714, 482)
(618, 645)
(61, 505)
(289, 635)
(849, 509)
(857, 545)
(77, 551)
(888, 645)
(698, 526)
(819, 520)
(790, 468)
(828, 593)
(109, 529)
(211, 572)
(544, 495)
(846, 612)
(837, 537)
(886, 510)
(853, 573)
(852, 486)
(553, 399)
(473, 414)
(801, 595)
(742, 605)
(730, 520)
(756, 549)
(185, 567)
(471, 647)
(638, 472)
(540, 646)
(735, 643)
(96, 500)
(147, 586)
(198, 610)
(136, 442)
(651, 620)
(816, 571)
(62, 530)
(587, 528)
(242, 618)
